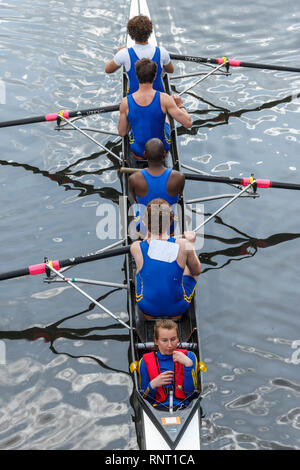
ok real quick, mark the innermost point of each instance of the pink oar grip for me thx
(53, 116)
(261, 183)
(234, 63)
(264, 183)
(41, 268)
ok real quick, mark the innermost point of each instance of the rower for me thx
(168, 368)
(167, 270)
(140, 29)
(155, 181)
(143, 114)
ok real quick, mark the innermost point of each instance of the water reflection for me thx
(73, 410)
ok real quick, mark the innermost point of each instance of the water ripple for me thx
(42, 418)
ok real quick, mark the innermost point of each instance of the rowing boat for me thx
(159, 428)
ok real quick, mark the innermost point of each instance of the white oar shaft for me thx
(91, 138)
(171, 401)
(201, 79)
(109, 247)
(90, 281)
(223, 207)
(196, 74)
(196, 170)
(93, 129)
(68, 281)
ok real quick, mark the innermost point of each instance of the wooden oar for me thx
(233, 63)
(260, 183)
(58, 264)
(66, 114)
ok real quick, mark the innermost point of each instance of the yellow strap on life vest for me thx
(133, 366)
(202, 366)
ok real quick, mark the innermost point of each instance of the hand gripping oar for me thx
(68, 281)
(41, 268)
(233, 63)
(66, 114)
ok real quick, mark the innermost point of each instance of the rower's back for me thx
(155, 181)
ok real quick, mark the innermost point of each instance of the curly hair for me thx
(139, 28)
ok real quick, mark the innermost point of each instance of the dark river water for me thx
(64, 380)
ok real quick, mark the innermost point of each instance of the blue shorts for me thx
(162, 307)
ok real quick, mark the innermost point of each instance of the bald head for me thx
(154, 151)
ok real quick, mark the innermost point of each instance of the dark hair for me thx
(139, 28)
(154, 150)
(145, 70)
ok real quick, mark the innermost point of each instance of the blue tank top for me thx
(133, 83)
(157, 188)
(147, 122)
(159, 290)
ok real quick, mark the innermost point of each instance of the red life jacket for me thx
(153, 369)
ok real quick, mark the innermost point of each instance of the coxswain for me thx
(140, 29)
(168, 368)
(143, 114)
(167, 269)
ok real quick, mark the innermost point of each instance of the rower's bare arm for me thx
(123, 125)
(193, 264)
(181, 182)
(136, 252)
(111, 67)
(169, 68)
(176, 183)
(192, 260)
(174, 107)
(131, 184)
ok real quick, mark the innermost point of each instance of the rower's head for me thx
(166, 336)
(145, 70)
(154, 151)
(158, 217)
(140, 28)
